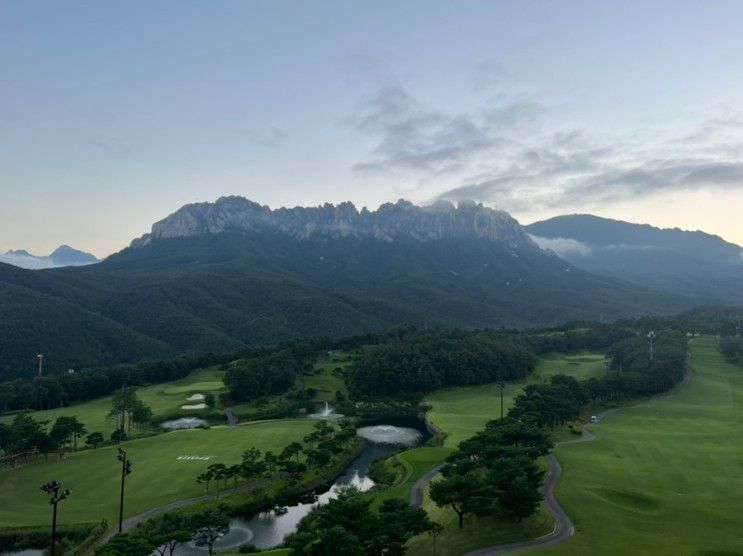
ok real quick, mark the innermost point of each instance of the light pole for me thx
(126, 469)
(502, 385)
(651, 335)
(54, 488)
(40, 357)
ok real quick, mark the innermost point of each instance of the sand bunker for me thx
(194, 406)
(196, 398)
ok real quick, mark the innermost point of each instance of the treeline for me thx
(61, 390)
(421, 362)
(52, 391)
(632, 373)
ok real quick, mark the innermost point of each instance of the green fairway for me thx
(464, 410)
(164, 399)
(325, 379)
(416, 462)
(662, 478)
(159, 476)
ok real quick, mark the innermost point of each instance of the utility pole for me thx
(651, 336)
(40, 357)
(126, 469)
(737, 329)
(53, 488)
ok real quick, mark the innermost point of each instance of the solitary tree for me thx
(466, 494)
(94, 439)
(210, 526)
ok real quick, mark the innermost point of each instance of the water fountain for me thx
(389, 434)
(326, 414)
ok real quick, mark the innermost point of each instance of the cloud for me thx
(563, 246)
(570, 169)
(413, 137)
(267, 137)
(27, 261)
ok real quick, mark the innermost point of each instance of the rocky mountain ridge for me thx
(391, 220)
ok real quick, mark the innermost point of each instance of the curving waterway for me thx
(268, 529)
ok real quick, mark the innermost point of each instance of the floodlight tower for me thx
(54, 488)
(651, 336)
(40, 357)
(126, 469)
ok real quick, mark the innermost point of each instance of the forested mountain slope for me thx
(265, 281)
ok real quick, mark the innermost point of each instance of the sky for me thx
(115, 114)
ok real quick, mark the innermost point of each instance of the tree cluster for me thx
(495, 468)
(164, 534)
(25, 437)
(347, 526)
(417, 363)
(731, 348)
(631, 373)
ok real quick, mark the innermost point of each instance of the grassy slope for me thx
(664, 478)
(158, 477)
(462, 411)
(164, 399)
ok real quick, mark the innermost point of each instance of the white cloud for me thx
(563, 246)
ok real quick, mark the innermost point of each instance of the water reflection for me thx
(268, 529)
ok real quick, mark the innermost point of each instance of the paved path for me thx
(564, 528)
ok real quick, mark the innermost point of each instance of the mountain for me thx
(672, 260)
(220, 276)
(64, 255)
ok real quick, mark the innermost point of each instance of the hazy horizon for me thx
(108, 124)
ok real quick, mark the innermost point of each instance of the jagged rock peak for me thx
(401, 219)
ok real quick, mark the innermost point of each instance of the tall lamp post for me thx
(54, 489)
(502, 385)
(651, 336)
(126, 469)
(40, 357)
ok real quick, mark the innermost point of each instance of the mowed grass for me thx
(477, 533)
(163, 399)
(464, 410)
(663, 478)
(324, 377)
(416, 462)
(158, 477)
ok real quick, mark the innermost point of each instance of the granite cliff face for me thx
(391, 220)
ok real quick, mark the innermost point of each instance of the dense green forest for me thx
(220, 293)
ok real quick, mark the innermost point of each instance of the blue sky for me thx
(114, 114)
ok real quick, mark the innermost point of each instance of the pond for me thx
(268, 529)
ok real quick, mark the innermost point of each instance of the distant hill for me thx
(673, 260)
(64, 255)
(218, 276)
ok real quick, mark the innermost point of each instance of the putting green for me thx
(159, 475)
(662, 478)
(163, 399)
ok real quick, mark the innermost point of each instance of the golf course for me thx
(662, 478)
(164, 399)
(159, 475)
